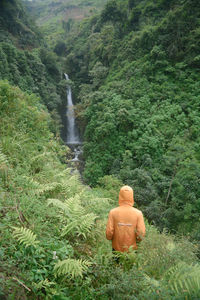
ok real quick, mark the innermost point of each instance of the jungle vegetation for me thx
(52, 226)
(135, 72)
(27, 61)
(136, 66)
(56, 18)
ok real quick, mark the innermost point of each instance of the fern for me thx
(40, 189)
(183, 277)
(3, 159)
(78, 222)
(39, 156)
(59, 187)
(63, 184)
(150, 284)
(81, 226)
(74, 206)
(96, 204)
(3, 166)
(41, 161)
(25, 236)
(64, 174)
(58, 204)
(43, 188)
(43, 284)
(72, 267)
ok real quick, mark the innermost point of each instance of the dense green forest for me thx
(134, 66)
(56, 18)
(52, 226)
(27, 61)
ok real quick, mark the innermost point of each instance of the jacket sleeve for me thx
(110, 227)
(140, 228)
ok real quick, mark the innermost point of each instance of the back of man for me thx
(125, 223)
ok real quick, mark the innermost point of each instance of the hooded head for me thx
(126, 196)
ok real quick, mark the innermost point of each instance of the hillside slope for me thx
(136, 66)
(52, 227)
(26, 61)
(17, 26)
(139, 127)
(56, 18)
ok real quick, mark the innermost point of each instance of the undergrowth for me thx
(53, 243)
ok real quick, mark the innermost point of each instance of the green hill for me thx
(136, 66)
(27, 61)
(53, 227)
(56, 18)
(17, 26)
(135, 72)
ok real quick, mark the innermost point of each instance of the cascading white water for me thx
(73, 140)
(72, 132)
(77, 152)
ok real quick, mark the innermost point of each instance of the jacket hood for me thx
(126, 196)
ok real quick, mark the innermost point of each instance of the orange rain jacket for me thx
(125, 223)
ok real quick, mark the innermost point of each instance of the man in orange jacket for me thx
(125, 223)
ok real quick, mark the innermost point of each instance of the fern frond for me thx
(74, 206)
(86, 224)
(71, 205)
(42, 155)
(184, 277)
(78, 222)
(96, 204)
(71, 267)
(59, 204)
(64, 174)
(40, 189)
(70, 228)
(98, 201)
(43, 284)
(80, 226)
(25, 236)
(151, 284)
(72, 185)
(3, 159)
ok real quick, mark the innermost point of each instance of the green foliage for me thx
(57, 19)
(159, 252)
(140, 110)
(139, 103)
(80, 227)
(71, 267)
(33, 71)
(148, 272)
(44, 284)
(15, 22)
(25, 236)
(3, 161)
(32, 157)
(184, 279)
(111, 12)
(79, 223)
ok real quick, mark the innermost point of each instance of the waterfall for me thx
(72, 140)
(72, 131)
